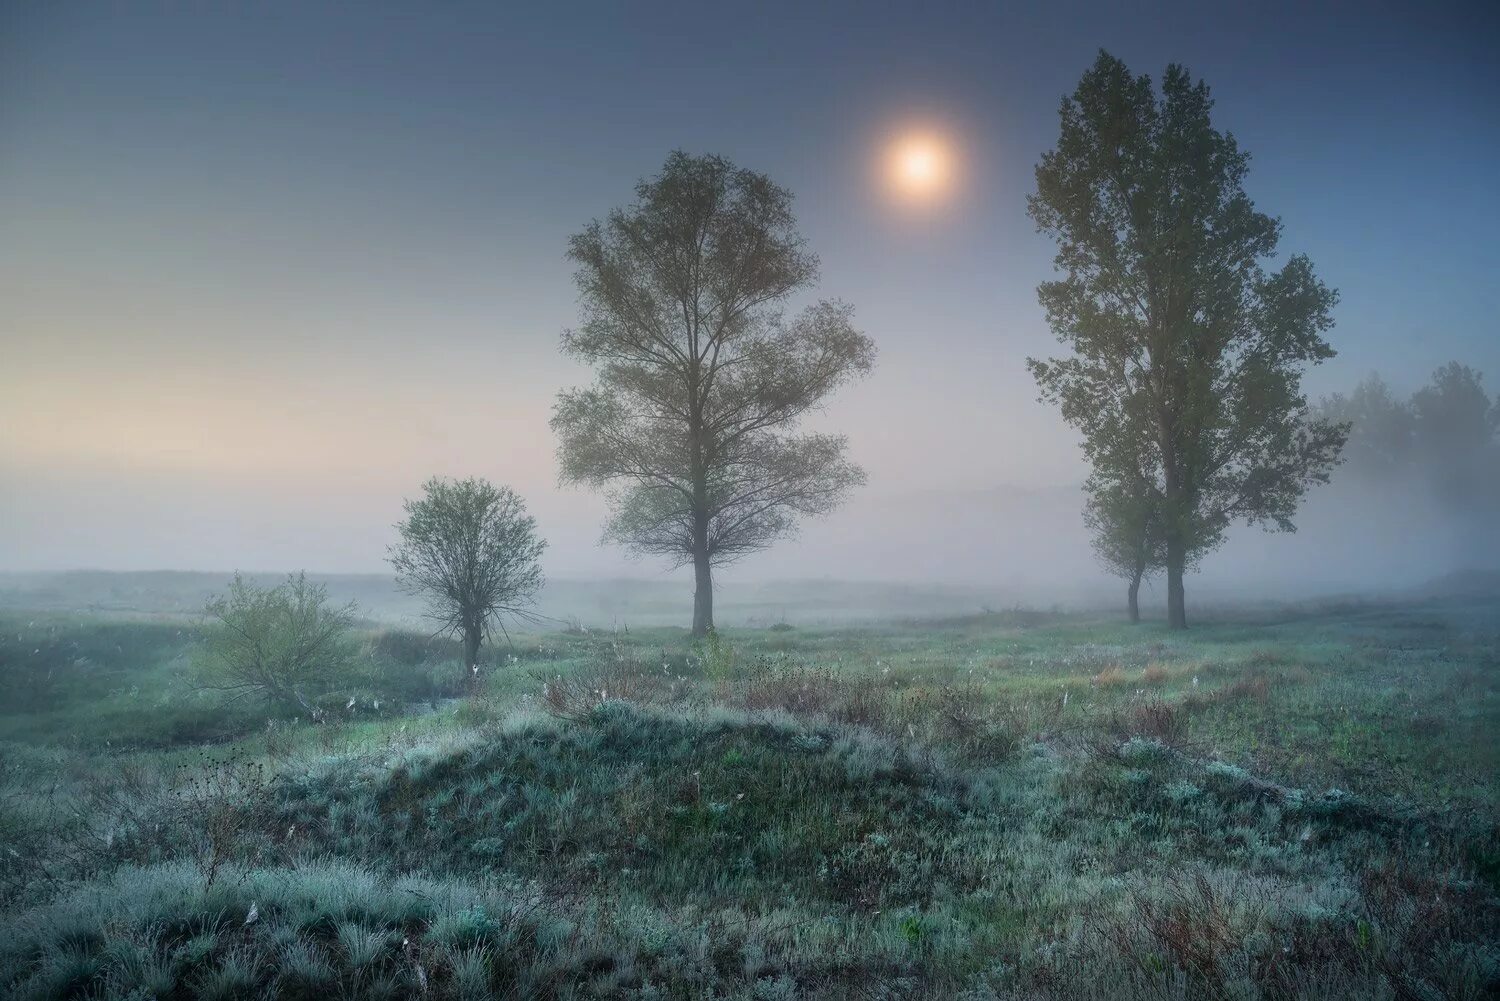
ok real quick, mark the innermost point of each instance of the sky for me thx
(266, 267)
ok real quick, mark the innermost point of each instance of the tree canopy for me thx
(1381, 427)
(472, 551)
(281, 645)
(692, 423)
(1442, 439)
(1179, 335)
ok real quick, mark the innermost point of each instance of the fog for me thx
(203, 480)
(667, 499)
(956, 551)
(240, 328)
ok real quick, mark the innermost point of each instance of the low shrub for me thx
(613, 672)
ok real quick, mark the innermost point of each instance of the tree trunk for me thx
(1133, 599)
(703, 595)
(703, 575)
(1176, 560)
(1176, 545)
(473, 633)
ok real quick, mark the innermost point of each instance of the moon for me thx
(919, 167)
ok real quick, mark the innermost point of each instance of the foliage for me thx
(613, 672)
(128, 684)
(1444, 436)
(280, 644)
(701, 383)
(1454, 411)
(1381, 428)
(1454, 426)
(472, 550)
(717, 657)
(1186, 353)
(100, 680)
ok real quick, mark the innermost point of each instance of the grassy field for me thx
(1298, 803)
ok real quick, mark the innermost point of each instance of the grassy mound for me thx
(680, 804)
(631, 853)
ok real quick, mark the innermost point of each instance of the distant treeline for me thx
(1443, 440)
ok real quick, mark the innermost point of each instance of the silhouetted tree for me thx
(1381, 428)
(1438, 446)
(1174, 325)
(1453, 413)
(471, 549)
(700, 382)
(1454, 428)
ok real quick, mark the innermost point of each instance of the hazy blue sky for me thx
(264, 268)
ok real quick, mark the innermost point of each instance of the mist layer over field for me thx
(921, 553)
(667, 501)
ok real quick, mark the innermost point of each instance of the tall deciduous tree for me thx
(1178, 333)
(701, 384)
(472, 551)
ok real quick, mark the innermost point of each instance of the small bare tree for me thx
(277, 644)
(471, 549)
(222, 804)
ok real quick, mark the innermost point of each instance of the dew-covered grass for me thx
(1296, 803)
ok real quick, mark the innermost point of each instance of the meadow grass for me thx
(1279, 804)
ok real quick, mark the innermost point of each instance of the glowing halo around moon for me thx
(919, 167)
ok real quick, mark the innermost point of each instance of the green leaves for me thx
(1184, 371)
(280, 644)
(472, 550)
(701, 381)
